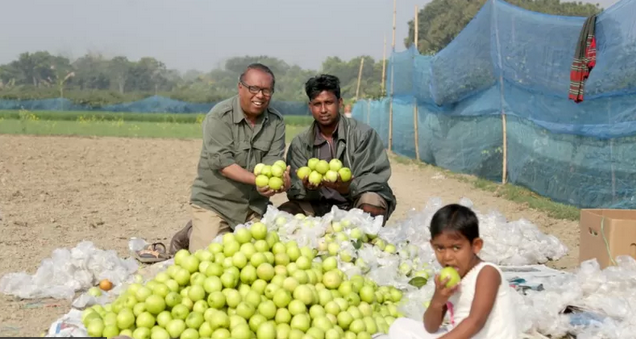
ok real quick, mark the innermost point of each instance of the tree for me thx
(119, 68)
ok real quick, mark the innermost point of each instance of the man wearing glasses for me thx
(238, 133)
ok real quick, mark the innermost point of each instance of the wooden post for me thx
(392, 82)
(359, 77)
(415, 115)
(384, 67)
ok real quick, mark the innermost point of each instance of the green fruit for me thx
(451, 274)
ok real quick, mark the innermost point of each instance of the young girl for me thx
(480, 306)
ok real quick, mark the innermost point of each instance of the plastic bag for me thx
(68, 271)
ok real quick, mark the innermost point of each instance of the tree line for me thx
(96, 80)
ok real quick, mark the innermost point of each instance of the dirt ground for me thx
(58, 191)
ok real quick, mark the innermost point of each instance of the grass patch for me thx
(510, 192)
(31, 125)
(182, 118)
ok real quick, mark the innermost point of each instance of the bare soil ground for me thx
(58, 191)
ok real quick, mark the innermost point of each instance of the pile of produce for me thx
(250, 284)
(338, 276)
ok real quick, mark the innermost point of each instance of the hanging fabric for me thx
(584, 59)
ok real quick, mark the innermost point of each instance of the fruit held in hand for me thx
(335, 165)
(322, 167)
(315, 178)
(281, 164)
(267, 170)
(262, 181)
(275, 183)
(451, 273)
(303, 172)
(331, 176)
(345, 174)
(258, 168)
(311, 163)
(277, 171)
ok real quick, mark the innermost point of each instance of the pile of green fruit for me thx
(318, 171)
(249, 285)
(270, 175)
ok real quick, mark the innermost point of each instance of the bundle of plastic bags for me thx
(68, 271)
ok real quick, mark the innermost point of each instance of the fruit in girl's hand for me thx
(451, 274)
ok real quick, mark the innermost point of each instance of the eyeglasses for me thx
(255, 89)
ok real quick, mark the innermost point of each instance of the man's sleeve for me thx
(371, 167)
(218, 142)
(296, 159)
(277, 150)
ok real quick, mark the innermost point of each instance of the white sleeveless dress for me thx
(501, 323)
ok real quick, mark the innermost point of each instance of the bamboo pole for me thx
(505, 150)
(384, 67)
(415, 114)
(392, 82)
(359, 77)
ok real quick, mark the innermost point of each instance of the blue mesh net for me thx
(154, 104)
(513, 61)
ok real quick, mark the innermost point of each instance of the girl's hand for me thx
(442, 293)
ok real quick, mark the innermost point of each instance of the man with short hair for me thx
(238, 133)
(355, 144)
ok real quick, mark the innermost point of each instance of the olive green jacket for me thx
(229, 139)
(360, 148)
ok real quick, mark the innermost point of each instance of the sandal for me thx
(152, 253)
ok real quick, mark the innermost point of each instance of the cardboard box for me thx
(606, 232)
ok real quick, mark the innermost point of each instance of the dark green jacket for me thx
(229, 139)
(360, 148)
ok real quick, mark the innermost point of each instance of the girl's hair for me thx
(455, 218)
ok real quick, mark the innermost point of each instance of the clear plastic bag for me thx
(68, 271)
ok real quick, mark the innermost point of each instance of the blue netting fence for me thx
(515, 62)
(154, 104)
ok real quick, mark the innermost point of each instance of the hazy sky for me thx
(200, 34)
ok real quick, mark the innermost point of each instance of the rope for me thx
(609, 252)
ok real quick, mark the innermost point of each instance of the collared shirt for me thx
(326, 151)
(228, 138)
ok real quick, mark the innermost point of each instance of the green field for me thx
(147, 125)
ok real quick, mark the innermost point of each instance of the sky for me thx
(201, 34)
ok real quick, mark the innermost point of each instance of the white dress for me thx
(501, 323)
